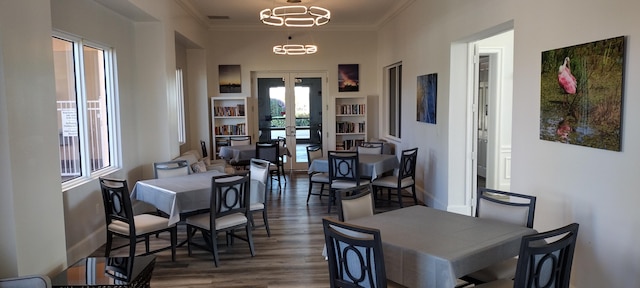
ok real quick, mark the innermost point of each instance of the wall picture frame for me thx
(230, 78)
(348, 78)
(427, 97)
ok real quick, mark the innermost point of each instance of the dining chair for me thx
(370, 148)
(28, 281)
(355, 202)
(322, 178)
(355, 256)
(257, 201)
(282, 142)
(505, 207)
(545, 260)
(406, 178)
(171, 168)
(344, 173)
(229, 212)
(240, 140)
(270, 151)
(120, 220)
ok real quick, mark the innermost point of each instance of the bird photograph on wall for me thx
(581, 94)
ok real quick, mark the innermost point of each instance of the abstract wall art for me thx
(427, 96)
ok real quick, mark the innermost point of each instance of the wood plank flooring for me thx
(291, 257)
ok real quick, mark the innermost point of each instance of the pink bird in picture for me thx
(566, 80)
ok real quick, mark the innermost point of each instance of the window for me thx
(85, 104)
(393, 75)
(182, 132)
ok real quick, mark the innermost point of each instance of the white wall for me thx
(32, 222)
(595, 188)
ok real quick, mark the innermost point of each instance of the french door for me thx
(290, 106)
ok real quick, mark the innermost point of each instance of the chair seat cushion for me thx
(256, 206)
(344, 184)
(392, 182)
(502, 283)
(145, 223)
(320, 177)
(202, 221)
(503, 270)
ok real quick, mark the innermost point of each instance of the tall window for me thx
(393, 79)
(85, 104)
(182, 131)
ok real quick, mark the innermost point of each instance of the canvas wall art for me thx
(581, 94)
(348, 78)
(427, 98)
(230, 78)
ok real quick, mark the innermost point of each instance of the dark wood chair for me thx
(171, 168)
(257, 202)
(229, 212)
(545, 260)
(344, 173)
(322, 178)
(355, 255)
(406, 178)
(355, 202)
(270, 151)
(121, 221)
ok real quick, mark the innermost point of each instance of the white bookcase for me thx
(230, 116)
(350, 121)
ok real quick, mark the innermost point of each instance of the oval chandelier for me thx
(295, 16)
(295, 49)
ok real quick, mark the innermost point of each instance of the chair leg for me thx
(400, 197)
(332, 198)
(189, 239)
(107, 249)
(266, 222)
(132, 246)
(415, 198)
(250, 240)
(174, 242)
(309, 194)
(214, 247)
(146, 243)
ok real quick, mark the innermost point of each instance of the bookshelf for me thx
(230, 116)
(350, 121)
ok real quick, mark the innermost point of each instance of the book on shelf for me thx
(226, 111)
(351, 109)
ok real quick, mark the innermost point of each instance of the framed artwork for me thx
(230, 78)
(427, 98)
(348, 78)
(581, 93)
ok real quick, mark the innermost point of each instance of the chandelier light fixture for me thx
(295, 49)
(295, 16)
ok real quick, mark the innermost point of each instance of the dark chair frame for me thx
(340, 245)
(273, 156)
(260, 163)
(482, 195)
(282, 142)
(372, 145)
(408, 160)
(312, 149)
(343, 166)
(353, 194)
(118, 207)
(222, 206)
(170, 165)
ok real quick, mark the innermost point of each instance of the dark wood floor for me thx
(291, 257)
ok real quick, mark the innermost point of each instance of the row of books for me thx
(351, 109)
(350, 127)
(237, 129)
(348, 144)
(229, 110)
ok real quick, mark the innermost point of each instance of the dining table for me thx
(371, 166)
(427, 247)
(177, 195)
(239, 153)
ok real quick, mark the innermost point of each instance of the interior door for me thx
(290, 105)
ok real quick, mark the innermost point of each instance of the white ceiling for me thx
(345, 14)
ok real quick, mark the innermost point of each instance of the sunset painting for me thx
(229, 78)
(348, 78)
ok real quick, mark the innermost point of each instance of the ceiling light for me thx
(295, 49)
(295, 16)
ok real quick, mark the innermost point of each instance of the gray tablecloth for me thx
(175, 195)
(425, 247)
(371, 165)
(243, 152)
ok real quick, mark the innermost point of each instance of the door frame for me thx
(289, 80)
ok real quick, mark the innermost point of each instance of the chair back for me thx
(282, 142)
(171, 169)
(507, 207)
(313, 152)
(545, 258)
(117, 203)
(242, 140)
(355, 202)
(229, 195)
(259, 169)
(370, 148)
(408, 161)
(344, 165)
(269, 151)
(355, 255)
(203, 147)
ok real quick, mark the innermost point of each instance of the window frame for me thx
(180, 109)
(395, 84)
(112, 109)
